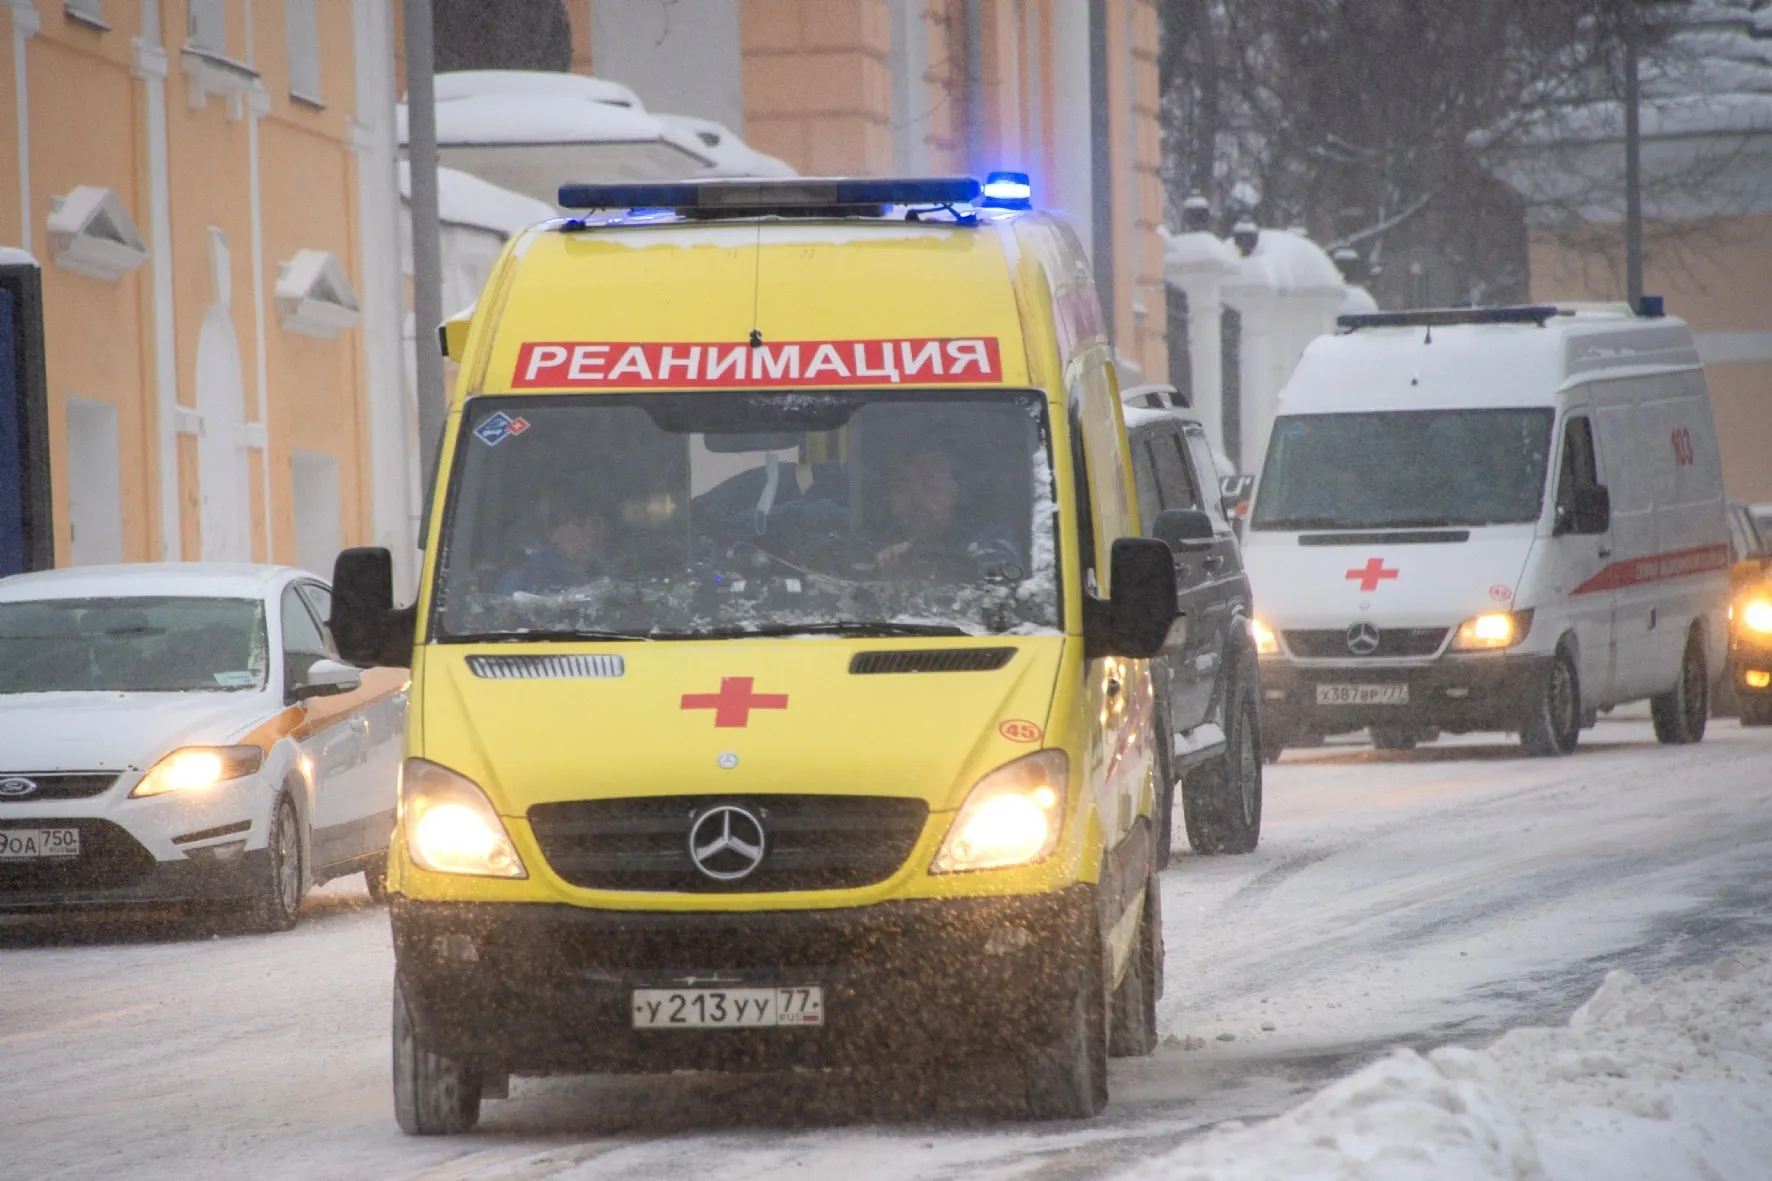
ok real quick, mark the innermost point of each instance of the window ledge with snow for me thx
(90, 233)
(209, 73)
(314, 297)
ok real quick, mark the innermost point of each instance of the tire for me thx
(375, 880)
(1756, 710)
(1163, 770)
(1132, 1029)
(1393, 737)
(1067, 1077)
(1221, 800)
(1552, 725)
(1680, 716)
(277, 903)
(433, 1095)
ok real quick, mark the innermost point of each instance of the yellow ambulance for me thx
(780, 692)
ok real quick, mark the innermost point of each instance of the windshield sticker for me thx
(499, 427)
(568, 365)
(236, 680)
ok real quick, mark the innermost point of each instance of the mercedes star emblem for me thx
(727, 843)
(1362, 639)
(17, 786)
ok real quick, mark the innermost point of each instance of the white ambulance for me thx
(1490, 519)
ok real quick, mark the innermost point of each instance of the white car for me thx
(187, 734)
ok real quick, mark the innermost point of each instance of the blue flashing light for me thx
(788, 195)
(1008, 190)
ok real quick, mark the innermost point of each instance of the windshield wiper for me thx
(840, 627)
(545, 635)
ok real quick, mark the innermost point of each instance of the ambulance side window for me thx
(1085, 507)
(1578, 466)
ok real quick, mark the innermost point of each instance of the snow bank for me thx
(1646, 1083)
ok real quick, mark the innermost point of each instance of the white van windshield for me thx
(675, 516)
(1404, 469)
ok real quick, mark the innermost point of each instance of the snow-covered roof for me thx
(12, 256)
(1196, 254)
(529, 131)
(218, 580)
(465, 200)
(1358, 299)
(732, 156)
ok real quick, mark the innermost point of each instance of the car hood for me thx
(1434, 584)
(116, 731)
(652, 730)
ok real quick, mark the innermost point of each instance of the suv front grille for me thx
(59, 785)
(1392, 642)
(812, 842)
(109, 858)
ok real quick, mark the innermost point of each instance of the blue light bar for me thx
(1008, 190)
(789, 195)
(1443, 317)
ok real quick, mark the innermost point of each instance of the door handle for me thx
(1214, 562)
(1605, 551)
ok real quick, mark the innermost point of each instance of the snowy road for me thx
(1412, 899)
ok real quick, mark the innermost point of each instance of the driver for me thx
(573, 552)
(922, 499)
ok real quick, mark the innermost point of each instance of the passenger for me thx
(922, 497)
(573, 553)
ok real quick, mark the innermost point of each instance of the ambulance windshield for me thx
(1403, 469)
(677, 516)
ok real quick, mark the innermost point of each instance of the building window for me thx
(86, 12)
(206, 26)
(304, 50)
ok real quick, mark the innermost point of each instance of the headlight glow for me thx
(193, 768)
(450, 825)
(1496, 629)
(1757, 616)
(1011, 817)
(1266, 643)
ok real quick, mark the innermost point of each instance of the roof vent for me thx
(91, 234)
(313, 296)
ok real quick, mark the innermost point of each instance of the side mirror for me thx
(327, 678)
(366, 626)
(1143, 618)
(1183, 529)
(1586, 510)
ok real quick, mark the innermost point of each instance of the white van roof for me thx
(1413, 366)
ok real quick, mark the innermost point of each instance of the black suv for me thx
(1209, 693)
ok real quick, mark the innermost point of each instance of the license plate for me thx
(26, 844)
(727, 1008)
(1362, 694)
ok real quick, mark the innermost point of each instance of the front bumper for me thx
(542, 987)
(1453, 693)
(115, 869)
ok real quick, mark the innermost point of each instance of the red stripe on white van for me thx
(677, 365)
(1657, 568)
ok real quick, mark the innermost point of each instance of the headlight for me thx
(1498, 629)
(1011, 817)
(1757, 616)
(1266, 643)
(451, 826)
(192, 768)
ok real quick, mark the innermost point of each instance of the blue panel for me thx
(12, 473)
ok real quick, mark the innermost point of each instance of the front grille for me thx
(109, 858)
(58, 785)
(1392, 642)
(938, 660)
(813, 842)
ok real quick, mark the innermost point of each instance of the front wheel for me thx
(433, 1095)
(1680, 715)
(375, 879)
(1221, 800)
(277, 903)
(1132, 1032)
(1553, 719)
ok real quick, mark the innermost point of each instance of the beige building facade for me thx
(208, 187)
